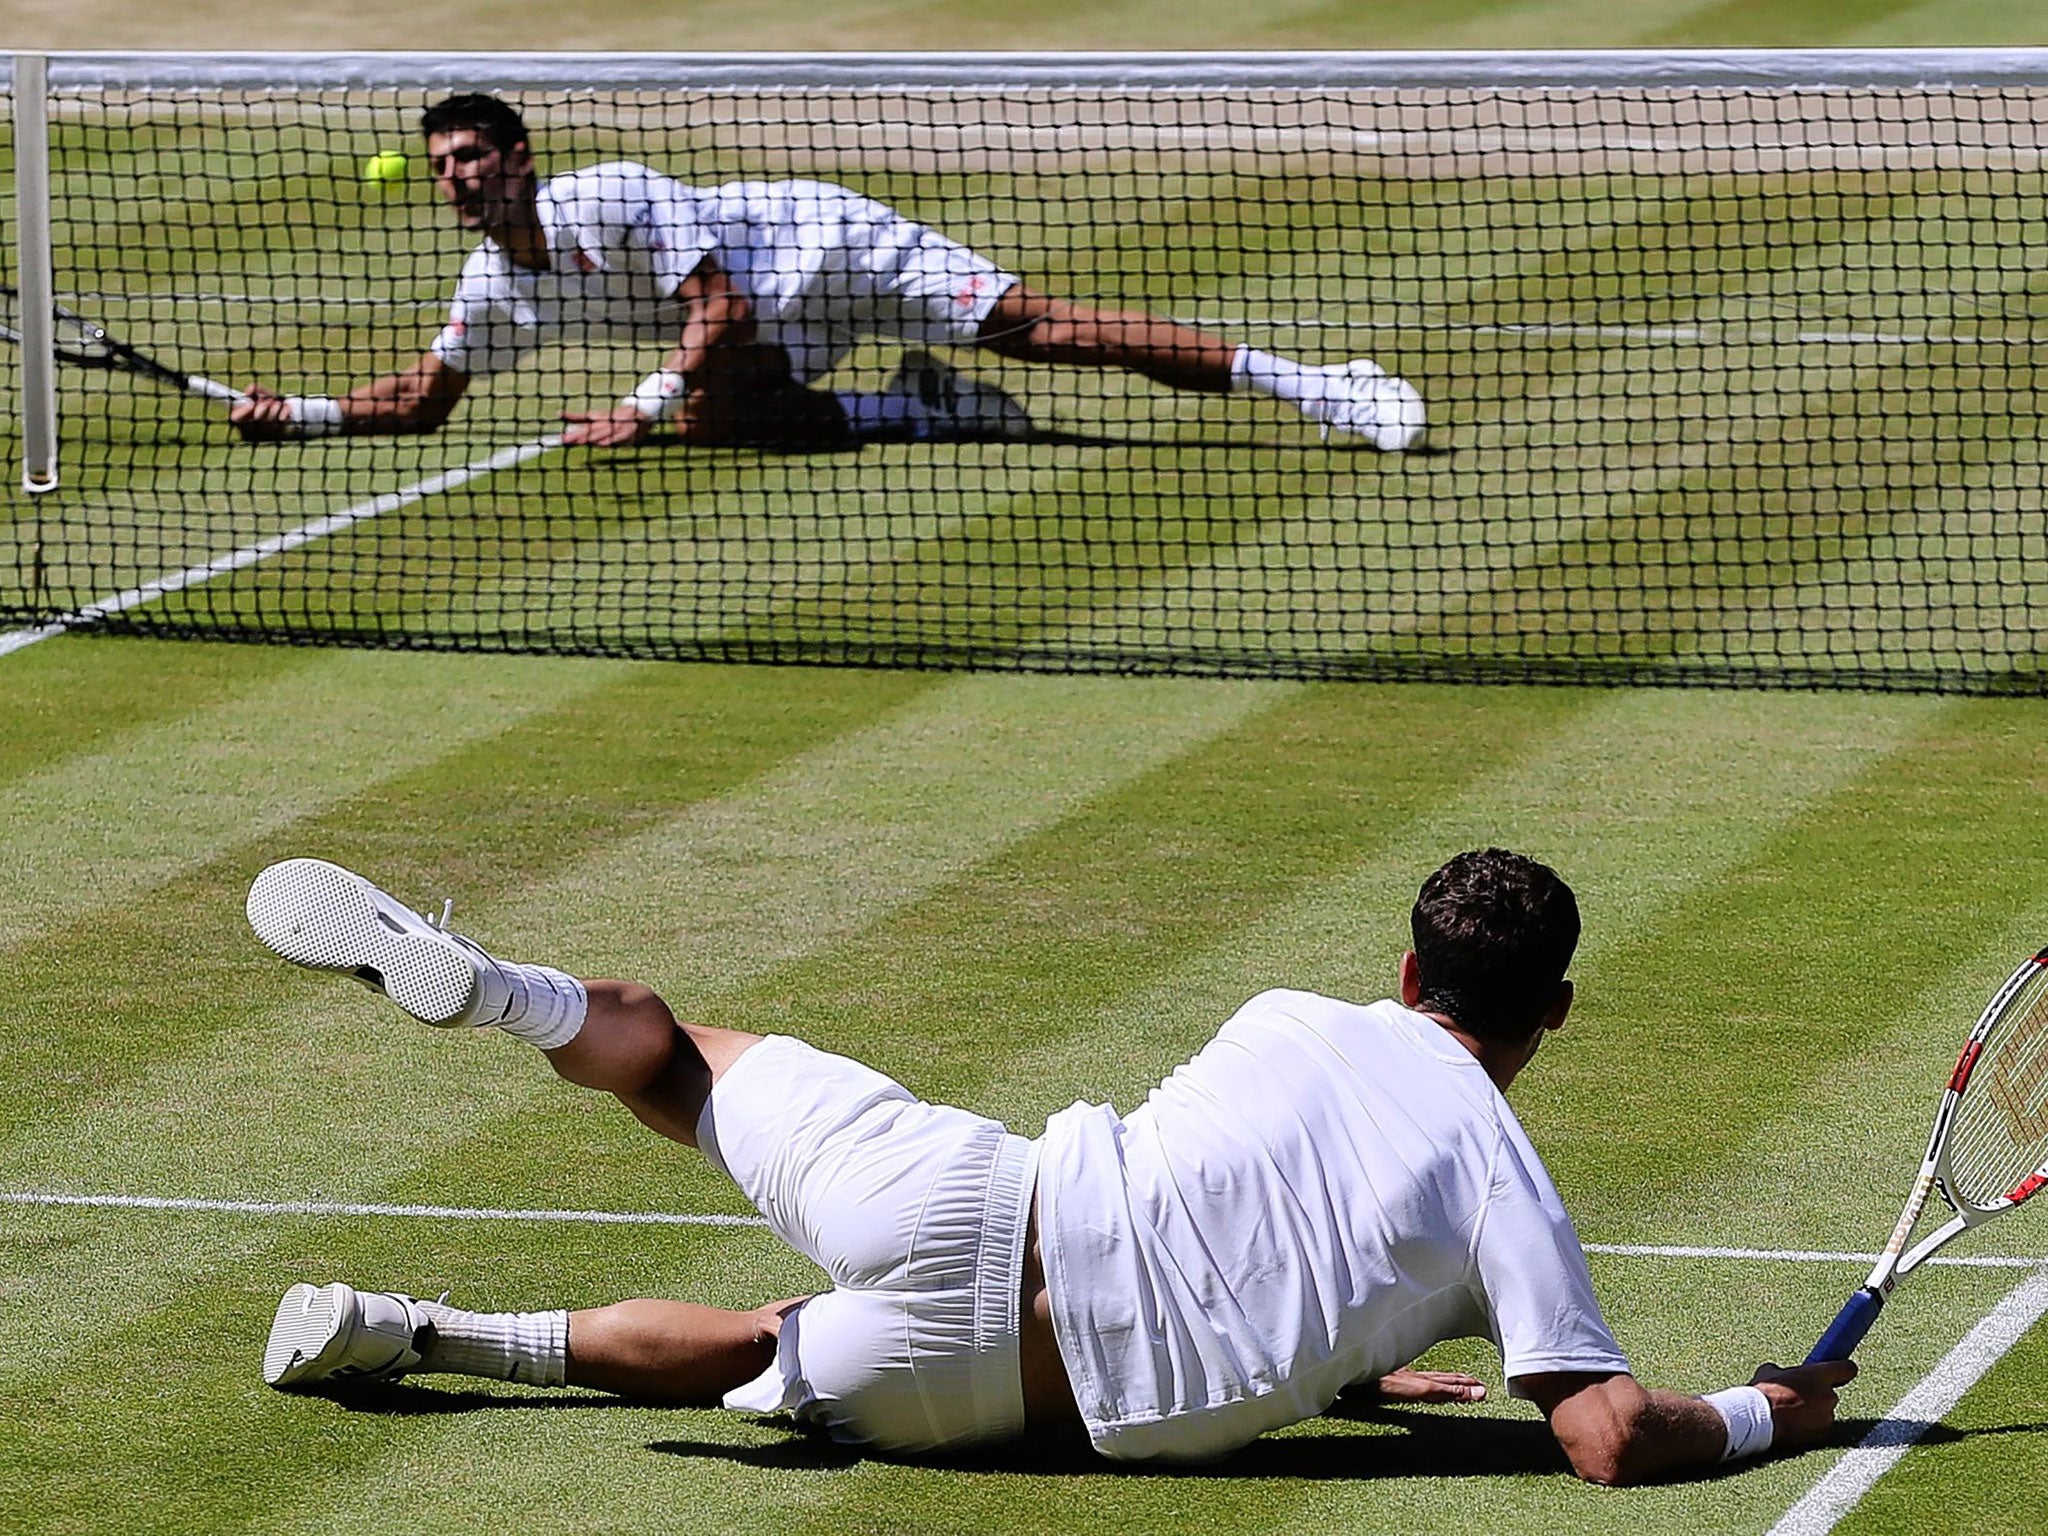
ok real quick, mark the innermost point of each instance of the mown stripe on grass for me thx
(1638, 800)
(838, 839)
(136, 985)
(101, 828)
(374, 1210)
(1818, 1051)
(74, 698)
(959, 992)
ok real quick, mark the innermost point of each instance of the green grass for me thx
(1011, 892)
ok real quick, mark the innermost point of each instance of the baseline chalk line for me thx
(352, 1208)
(693, 1219)
(282, 543)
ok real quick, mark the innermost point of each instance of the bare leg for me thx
(631, 1046)
(673, 1351)
(1035, 328)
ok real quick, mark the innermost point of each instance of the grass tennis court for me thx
(1011, 892)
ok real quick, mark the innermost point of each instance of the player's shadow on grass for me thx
(403, 1400)
(1050, 437)
(1232, 443)
(1420, 1444)
(1898, 1432)
(1391, 1441)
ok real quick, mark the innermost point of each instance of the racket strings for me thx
(2000, 1135)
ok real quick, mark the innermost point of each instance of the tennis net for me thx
(1728, 360)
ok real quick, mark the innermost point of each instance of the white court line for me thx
(1718, 333)
(686, 1219)
(343, 1208)
(1816, 1514)
(1845, 1484)
(1799, 1255)
(282, 543)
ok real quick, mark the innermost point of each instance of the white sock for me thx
(532, 1347)
(890, 418)
(547, 1005)
(1267, 373)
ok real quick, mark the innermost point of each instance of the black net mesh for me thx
(1723, 385)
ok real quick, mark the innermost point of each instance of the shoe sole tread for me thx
(326, 918)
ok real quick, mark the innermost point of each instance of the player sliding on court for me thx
(759, 288)
(1321, 1194)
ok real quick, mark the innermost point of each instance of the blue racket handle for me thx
(1848, 1328)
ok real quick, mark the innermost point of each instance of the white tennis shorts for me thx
(866, 270)
(918, 1213)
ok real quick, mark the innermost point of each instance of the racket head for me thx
(84, 343)
(1994, 1154)
(73, 338)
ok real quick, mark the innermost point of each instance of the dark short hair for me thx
(494, 119)
(1494, 932)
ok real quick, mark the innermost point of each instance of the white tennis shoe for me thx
(327, 918)
(335, 1332)
(958, 406)
(1367, 402)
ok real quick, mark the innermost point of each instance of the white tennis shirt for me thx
(622, 237)
(1325, 1191)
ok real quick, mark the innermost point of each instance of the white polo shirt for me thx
(819, 265)
(620, 238)
(1325, 1191)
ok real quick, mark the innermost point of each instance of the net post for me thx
(33, 273)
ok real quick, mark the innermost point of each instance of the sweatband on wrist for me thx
(659, 395)
(313, 415)
(1747, 1413)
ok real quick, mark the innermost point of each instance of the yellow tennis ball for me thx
(385, 165)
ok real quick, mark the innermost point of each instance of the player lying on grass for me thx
(1323, 1193)
(759, 288)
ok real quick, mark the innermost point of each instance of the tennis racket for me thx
(83, 344)
(1988, 1151)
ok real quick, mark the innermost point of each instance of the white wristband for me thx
(659, 395)
(1747, 1413)
(313, 415)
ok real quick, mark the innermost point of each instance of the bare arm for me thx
(415, 399)
(734, 390)
(1615, 1430)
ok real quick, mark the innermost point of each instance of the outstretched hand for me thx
(1803, 1399)
(618, 427)
(1412, 1386)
